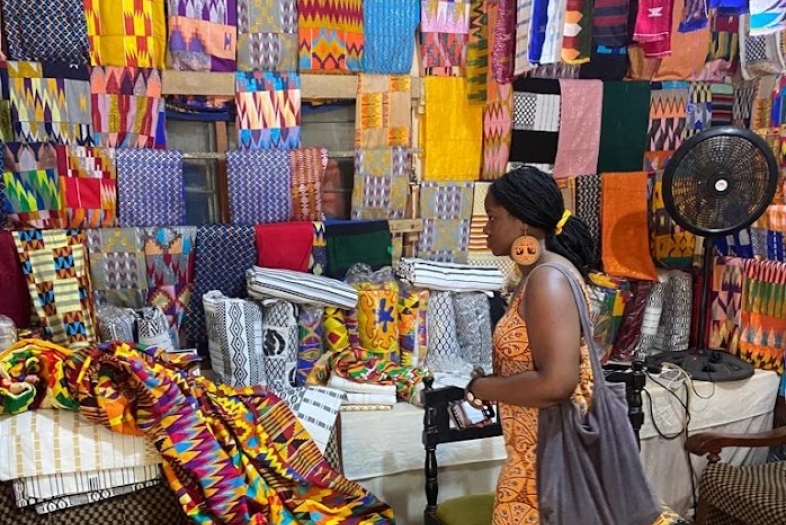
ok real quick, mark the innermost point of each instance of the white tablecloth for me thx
(383, 450)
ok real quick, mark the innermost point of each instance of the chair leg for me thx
(701, 513)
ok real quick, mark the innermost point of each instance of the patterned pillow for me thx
(316, 408)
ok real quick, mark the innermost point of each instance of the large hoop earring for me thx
(525, 250)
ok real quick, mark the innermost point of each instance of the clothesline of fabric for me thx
(333, 154)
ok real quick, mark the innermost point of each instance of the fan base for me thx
(715, 366)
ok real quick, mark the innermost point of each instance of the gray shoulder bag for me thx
(588, 469)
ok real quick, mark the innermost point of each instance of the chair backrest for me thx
(437, 428)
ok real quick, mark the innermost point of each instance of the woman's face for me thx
(501, 229)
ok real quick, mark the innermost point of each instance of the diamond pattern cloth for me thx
(588, 191)
(118, 269)
(383, 111)
(150, 187)
(129, 34)
(308, 169)
(386, 24)
(202, 35)
(381, 183)
(53, 31)
(259, 186)
(330, 35)
(56, 269)
(88, 186)
(444, 351)
(280, 341)
(446, 209)
(31, 186)
(268, 110)
(267, 35)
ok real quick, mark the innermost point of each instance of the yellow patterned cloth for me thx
(126, 33)
(383, 113)
(452, 131)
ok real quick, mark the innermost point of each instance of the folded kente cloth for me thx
(248, 172)
(298, 237)
(118, 270)
(330, 35)
(762, 315)
(352, 242)
(202, 36)
(15, 299)
(310, 334)
(728, 281)
(88, 186)
(623, 135)
(31, 186)
(150, 187)
(536, 119)
(132, 34)
(383, 114)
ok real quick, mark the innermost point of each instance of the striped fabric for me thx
(300, 288)
(450, 276)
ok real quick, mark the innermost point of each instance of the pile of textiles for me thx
(450, 276)
(229, 455)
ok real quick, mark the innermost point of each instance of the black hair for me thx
(534, 198)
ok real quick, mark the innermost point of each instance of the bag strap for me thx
(598, 377)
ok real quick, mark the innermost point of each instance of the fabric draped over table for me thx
(202, 35)
(150, 187)
(118, 267)
(267, 35)
(134, 37)
(268, 110)
(247, 171)
(381, 183)
(330, 35)
(446, 209)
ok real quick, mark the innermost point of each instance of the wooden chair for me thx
(749, 495)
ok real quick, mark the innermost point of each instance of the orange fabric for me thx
(625, 238)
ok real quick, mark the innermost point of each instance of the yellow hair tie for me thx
(565, 216)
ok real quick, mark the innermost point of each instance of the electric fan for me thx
(717, 183)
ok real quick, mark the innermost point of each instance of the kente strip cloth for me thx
(668, 117)
(55, 265)
(724, 46)
(310, 334)
(502, 20)
(446, 209)
(377, 313)
(268, 110)
(742, 106)
(32, 186)
(224, 449)
(626, 253)
(722, 104)
(623, 135)
(318, 262)
(577, 37)
(521, 58)
(607, 297)
(581, 103)
(267, 35)
(477, 239)
(762, 315)
(118, 269)
(202, 35)
(387, 24)
(478, 52)
(675, 320)
(700, 106)
(223, 255)
(381, 184)
(15, 300)
(588, 191)
(443, 54)
(125, 106)
(133, 37)
(536, 118)
(88, 186)
(728, 278)
(452, 131)
(610, 22)
(330, 35)
(767, 17)
(672, 246)
(47, 31)
(760, 55)
(150, 187)
(383, 113)
(554, 32)
(259, 186)
(497, 130)
(170, 255)
(49, 102)
(308, 168)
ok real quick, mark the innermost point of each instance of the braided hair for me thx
(534, 198)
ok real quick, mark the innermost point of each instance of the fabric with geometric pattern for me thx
(330, 35)
(247, 173)
(202, 35)
(150, 187)
(131, 34)
(31, 186)
(446, 209)
(280, 344)
(88, 184)
(118, 270)
(268, 110)
(381, 184)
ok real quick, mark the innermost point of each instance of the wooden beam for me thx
(405, 225)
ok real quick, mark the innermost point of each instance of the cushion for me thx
(467, 510)
(753, 494)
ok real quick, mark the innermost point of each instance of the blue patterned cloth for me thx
(387, 24)
(259, 186)
(150, 188)
(224, 253)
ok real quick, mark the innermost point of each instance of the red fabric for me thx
(284, 246)
(14, 297)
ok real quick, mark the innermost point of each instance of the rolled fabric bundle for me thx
(310, 337)
(116, 324)
(153, 328)
(280, 344)
(377, 315)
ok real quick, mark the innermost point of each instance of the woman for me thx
(540, 359)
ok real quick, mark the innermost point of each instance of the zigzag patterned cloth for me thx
(49, 102)
(202, 35)
(170, 254)
(668, 117)
(446, 209)
(126, 105)
(88, 186)
(381, 183)
(726, 303)
(308, 168)
(46, 31)
(259, 186)
(672, 246)
(383, 113)
(588, 191)
(267, 35)
(31, 186)
(762, 315)
(444, 31)
(150, 187)
(386, 24)
(132, 34)
(330, 35)
(55, 264)
(497, 129)
(699, 114)
(478, 52)
(268, 110)
(118, 269)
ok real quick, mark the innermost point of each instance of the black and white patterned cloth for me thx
(473, 328)
(753, 495)
(674, 327)
(651, 320)
(266, 284)
(280, 344)
(444, 352)
(153, 328)
(317, 409)
(116, 324)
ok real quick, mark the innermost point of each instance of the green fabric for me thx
(623, 131)
(467, 510)
(372, 248)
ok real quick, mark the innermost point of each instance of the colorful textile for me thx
(248, 172)
(280, 337)
(521, 62)
(412, 322)
(760, 55)
(577, 39)
(653, 22)
(298, 237)
(694, 16)
(32, 187)
(330, 35)
(317, 263)
(728, 278)
(581, 103)
(49, 102)
(610, 22)
(55, 265)
(626, 252)
(767, 16)
(607, 297)
(672, 246)
(377, 312)
(588, 207)
(386, 24)
(668, 117)
(762, 315)
(352, 242)
(150, 187)
(444, 351)
(383, 113)
(381, 184)
(452, 128)
(446, 209)
(477, 239)
(15, 300)
(722, 104)
(724, 46)
(443, 54)
(699, 111)
(502, 41)
(130, 35)
(88, 186)
(623, 136)
(170, 254)
(49, 32)
(478, 52)
(153, 328)
(554, 33)
(336, 334)
(675, 319)
(308, 169)
(115, 323)
(202, 35)
(267, 35)
(497, 130)
(310, 334)
(125, 105)
(536, 118)
(268, 110)
(630, 330)
(118, 269)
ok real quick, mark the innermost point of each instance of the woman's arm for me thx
(554, 331)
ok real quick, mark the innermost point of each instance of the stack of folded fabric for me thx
(450, 277)
(269, 285)
(364, 396)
